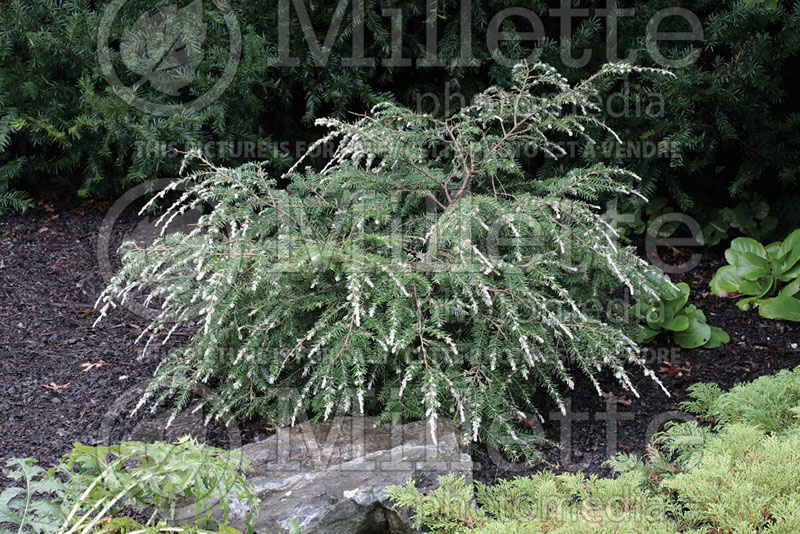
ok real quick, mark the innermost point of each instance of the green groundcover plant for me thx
(686, 323)
(739, 475)
(108, 489)
(769, 277)
(422, 264)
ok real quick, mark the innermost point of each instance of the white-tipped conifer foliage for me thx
(424, 272)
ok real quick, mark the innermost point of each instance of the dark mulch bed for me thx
(59, 375)
(54, 395)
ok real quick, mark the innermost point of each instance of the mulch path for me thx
(58, 374)
(65, 381)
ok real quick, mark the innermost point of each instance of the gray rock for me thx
(330, 476)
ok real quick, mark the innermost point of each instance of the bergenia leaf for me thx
(757, 288)
(790, 262)
(726, 280)
(749, 266)
(791, 289)
(672, 306)
(791, 274)
(696, 335)
(678, 323)
(746, 244)
(718, 337)
(781, 307)
(792, 242)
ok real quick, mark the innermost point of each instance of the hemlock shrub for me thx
(422, 263)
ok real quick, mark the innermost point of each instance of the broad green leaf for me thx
(677, 323)
(746, 244)
(791, 242)
(696, 335)
(790, 262)
(780, 307)
(773, 249)
(726, 280)
(791, 274)
(718, 337)
(674, 305)
(757, 288)
(791, 289)
(750, 266)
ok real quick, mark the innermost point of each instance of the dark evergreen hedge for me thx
(726, 125)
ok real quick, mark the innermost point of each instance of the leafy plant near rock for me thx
(93, 489)
(768, 276)
(686, 323)
(423, 264)
(738, 476)
(159, 475)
